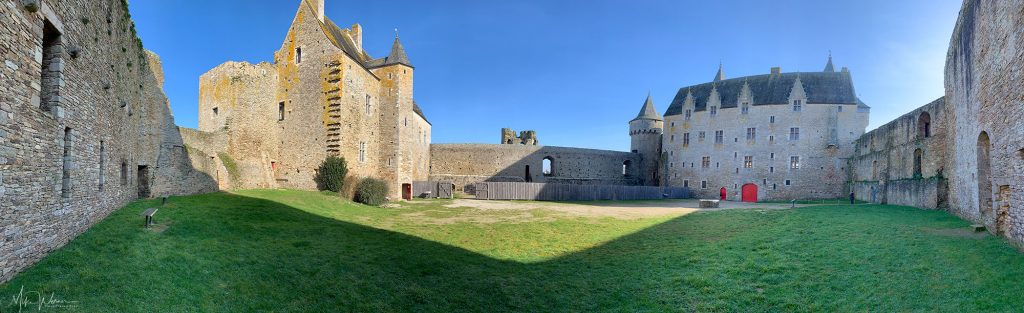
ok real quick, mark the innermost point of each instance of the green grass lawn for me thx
(298, 251)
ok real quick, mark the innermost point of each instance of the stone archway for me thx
(984, 176)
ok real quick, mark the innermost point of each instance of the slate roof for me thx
(648, 111)
(416, 108)
(767, 89)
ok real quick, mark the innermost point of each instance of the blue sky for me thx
(574, 71)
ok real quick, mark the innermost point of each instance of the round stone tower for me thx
(645, 135)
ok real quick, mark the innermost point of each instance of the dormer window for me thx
(798, 105)
(687, 115)
(714, 110)
(745, 107)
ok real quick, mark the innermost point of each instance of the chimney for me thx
(319, 10)
(776, 70)
(357, 36)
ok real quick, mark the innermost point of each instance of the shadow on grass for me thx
(230, 253)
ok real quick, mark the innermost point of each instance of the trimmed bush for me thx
(371, 191)
(331, 174)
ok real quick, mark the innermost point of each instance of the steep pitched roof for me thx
(829, 67)
(416, 108)
(648, 111)
(720, 76)
(767, 89)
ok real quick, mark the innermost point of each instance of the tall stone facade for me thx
(777, 136)
(985, 95)
(323, 96)
(903, 162)
(85, 126)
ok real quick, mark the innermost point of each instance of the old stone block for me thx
(708, 204)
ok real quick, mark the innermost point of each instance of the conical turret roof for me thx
(648, 111)
(397, 55)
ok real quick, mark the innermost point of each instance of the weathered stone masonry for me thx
(84, 125)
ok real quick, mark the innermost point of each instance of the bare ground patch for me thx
(957, 232)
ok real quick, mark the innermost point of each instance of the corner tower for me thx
(645, 139)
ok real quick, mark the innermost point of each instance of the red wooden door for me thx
(750, 193)
(722, 194)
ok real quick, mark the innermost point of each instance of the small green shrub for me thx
(331, 174)
(371, 191)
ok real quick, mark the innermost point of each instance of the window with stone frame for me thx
(102, 156)
(719, 136)
(703, 184)
(771, 119)
(367, 105)
(745, 107)
(298, 55)
(51, 69)
(280, 111)
(794, 162)
(794, 133)
(687, 114)
(65, 190)
(705, 162)
(748, 161)
(700, 136)
(362, 151)
(751, 133)
(798, 105)
(686, 139)
(124, 173)
(714, 110)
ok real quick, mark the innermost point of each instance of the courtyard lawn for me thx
(300, 251)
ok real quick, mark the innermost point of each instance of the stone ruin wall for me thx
(526, 137)
(61, 166)
(467, 164)
(985, 91)
(882, 168)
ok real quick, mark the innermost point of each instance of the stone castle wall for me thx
(85, 127)
(467, 164)
(885, 168)
(821, 172)
(985, 91)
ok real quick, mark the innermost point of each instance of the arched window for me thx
(626, 171)
(984, 175)
(924, 125)
(918, 154)
(547, 166)
(874, 170)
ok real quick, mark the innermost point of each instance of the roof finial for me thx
(720, 76)
(396, 36)
(829, 68)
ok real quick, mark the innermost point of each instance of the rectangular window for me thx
(839, 108)
(794, 162)
(672, 138)
(771, 169)
(103, 155)
(745, 108)
(719, 136)
(703, 184)
(798, 105)
(51, 67)
(700, 136)
(686, 139)
(686, 183)
(771, 119)
(787, 182)
(748, 161)
(751, 133)
(794, 133)
(124, 173)
(714, 110)
(362, 151)
(687, 115)
(367, 105)
(671, 164)
(65, 190)
(774, 186)
(705, 162)
(772, 156)
(771, 139)
(280, 111)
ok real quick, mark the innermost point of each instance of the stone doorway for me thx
(749, 193)
(143, 177)
(984, 176)
(722, 193)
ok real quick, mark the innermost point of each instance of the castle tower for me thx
(645, 139)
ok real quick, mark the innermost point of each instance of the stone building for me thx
(771, 136)
(526, 137)
(645, 133)
(85, 126)
(272, 124)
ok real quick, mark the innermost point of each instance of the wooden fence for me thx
(432, 189)
(572, 192)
